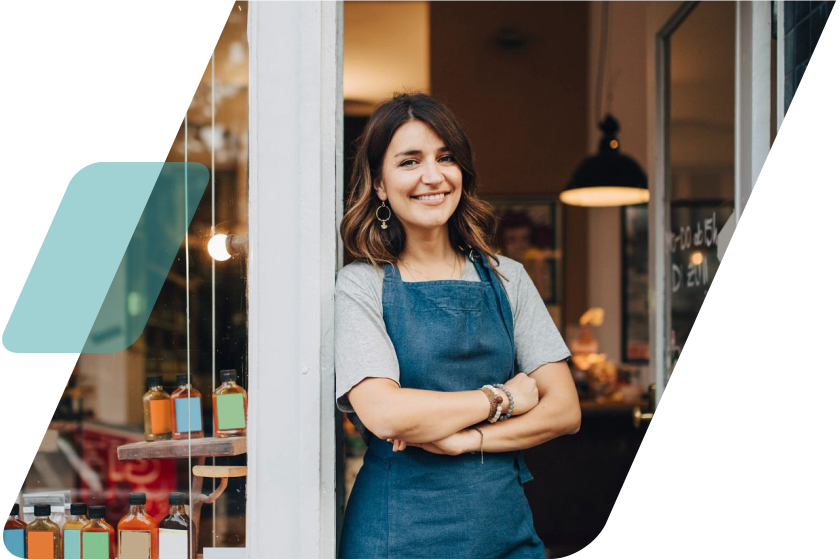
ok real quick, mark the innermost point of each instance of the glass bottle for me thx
(230, 406)
(97, 535)
(71, 544)
(14, 533)
(156, 414)
(137, 532)
(176, 530)
(43, 536)
(186, 410)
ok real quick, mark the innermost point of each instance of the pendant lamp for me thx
(609, 178)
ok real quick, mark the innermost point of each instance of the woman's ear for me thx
(380, 190)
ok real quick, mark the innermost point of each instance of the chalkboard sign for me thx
(692, 245)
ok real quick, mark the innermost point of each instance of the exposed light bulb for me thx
(217, 247)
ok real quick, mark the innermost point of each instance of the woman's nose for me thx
(432, 175)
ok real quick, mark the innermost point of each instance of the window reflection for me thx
(198, 326)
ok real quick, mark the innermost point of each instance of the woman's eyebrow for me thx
(416, 152)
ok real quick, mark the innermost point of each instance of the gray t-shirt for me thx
(364, 349)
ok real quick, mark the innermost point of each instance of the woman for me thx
(431, 330)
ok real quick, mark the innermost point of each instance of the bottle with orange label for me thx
(186, 410)
(97, 535)
(230, 406)
(14, 534)
(156, 414)
(137, 532)
(43, 536)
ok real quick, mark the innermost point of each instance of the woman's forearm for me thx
(416, 415)
(554, 416)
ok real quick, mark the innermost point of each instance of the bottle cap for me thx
(97, 512)
(228, 374)
(154, 381)
(137, 499)
(15, 511)
(181, 379)
(177, 499)
(42, 510)
(78, 509)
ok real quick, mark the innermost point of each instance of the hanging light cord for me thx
(602, 59)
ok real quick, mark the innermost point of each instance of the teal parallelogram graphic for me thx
(105, 257)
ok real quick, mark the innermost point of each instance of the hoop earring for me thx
(384, 221)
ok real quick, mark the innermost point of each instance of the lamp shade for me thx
(609, 178)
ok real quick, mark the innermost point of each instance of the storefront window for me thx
(96, 450)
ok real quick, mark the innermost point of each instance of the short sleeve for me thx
(362, 345)
(537, 340)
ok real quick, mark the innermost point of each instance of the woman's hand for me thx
(456, 444)
(525, 394)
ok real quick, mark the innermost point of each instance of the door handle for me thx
(640, 417)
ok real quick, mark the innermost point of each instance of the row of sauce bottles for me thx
(178, 416)
(138, 535)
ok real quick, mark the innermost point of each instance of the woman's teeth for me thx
(438, 196)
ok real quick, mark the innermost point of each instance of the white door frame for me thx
(752, 145)
(294, 122)
(752, 96)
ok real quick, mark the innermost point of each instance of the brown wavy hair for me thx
(471, 226)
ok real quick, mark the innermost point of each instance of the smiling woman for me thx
(423, 179)
(444, 350)
(414, 147)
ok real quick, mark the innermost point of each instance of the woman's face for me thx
(420, 179)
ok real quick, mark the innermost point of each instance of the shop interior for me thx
(531, 82)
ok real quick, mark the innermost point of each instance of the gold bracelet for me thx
(481, 445)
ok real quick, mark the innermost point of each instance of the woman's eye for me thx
(443, 159)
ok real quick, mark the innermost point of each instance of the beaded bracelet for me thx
(499, 400)
(495, 402)
(509, 412)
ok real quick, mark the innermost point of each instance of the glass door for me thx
(700, 172)
(715, 119)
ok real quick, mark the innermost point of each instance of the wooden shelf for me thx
(211, 471)
(173, 449)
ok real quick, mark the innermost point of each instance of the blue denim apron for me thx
(449, 335)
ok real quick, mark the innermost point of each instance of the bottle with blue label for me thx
(185, 404)
(14, 534)
(71, 542)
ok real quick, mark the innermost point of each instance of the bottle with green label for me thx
(43, 536)
(230, 406)
(97, 535)
(185, 404)
(14, 533)
(71, 539)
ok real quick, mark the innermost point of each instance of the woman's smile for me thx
(431, 199)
